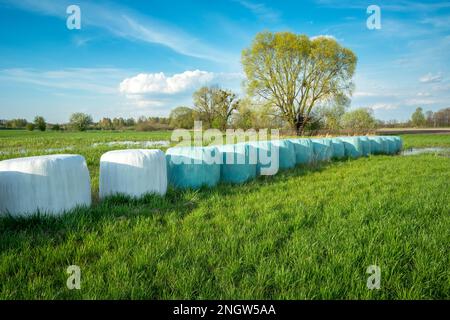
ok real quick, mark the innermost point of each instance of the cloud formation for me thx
(159, 83)
(431, 78)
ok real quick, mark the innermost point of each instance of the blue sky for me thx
(133, 58)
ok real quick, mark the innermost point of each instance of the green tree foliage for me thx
(359, 120)
(295, 73)
(182, 117)
(80, 121)
(16, 123)
(418, 118)
(30, 126)
(40, 123)
(214, 106)
(106, 124)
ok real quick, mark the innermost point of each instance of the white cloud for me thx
(384, 106)
(327, 36)
(92, 80)
(260, 10)
(431, 78)
(159, 83)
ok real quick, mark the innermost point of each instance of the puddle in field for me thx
(145, 144)
(414, 151)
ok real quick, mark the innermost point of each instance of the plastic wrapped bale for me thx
(286, 153)
(133, 172)
(303, 150)
(51, 184)
(267, 158)
(399, 143)
(365, 143)
(193, 167)
(238, 163)
(353, 147)
(323, 150)
(338, 148)
(391, 145)
(377, 145)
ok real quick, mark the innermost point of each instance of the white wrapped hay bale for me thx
(133, 172)
(50, 184)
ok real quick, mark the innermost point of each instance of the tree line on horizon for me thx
(292, 82)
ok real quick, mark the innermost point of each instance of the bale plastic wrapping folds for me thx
(193, 167)
(353, 147)
(286, 153)
(391, 145)
(267, 157)
(365, 143)
(338, 148)
(238, 162)
(133, 172)
(303, 150)
(51, 184)
(399, 143)
(323, 150)
(377, 145)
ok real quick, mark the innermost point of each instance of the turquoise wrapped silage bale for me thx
(303, 151)
(399, 142)
(286, 153)
(267, 157)
(391, 144)
(338, 148)
(353, 147)
(239, 162)
(193, 167)
(377, 145)
(365, 142)
(323, 150)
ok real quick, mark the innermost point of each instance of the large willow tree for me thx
(295, 73)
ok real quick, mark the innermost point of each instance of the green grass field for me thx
(307, 233)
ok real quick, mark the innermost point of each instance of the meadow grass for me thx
(307, 233)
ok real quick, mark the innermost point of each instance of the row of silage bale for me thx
(58, 183)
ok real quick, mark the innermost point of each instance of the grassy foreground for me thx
(307, 233)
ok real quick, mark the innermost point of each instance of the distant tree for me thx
(360, 120)
(182, 117)
(245, 117)
(16, 123)
(227, 103)
(118, 123)
(331, 114)
(56, 127)
(418, 118)
(130, 122)
(80, 121)
(106, 124)
(205, 102)
(30, 126)
(295, 73)
(442, 117)
(40, 123)
(215, 106)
